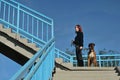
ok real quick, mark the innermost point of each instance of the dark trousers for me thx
(79, 57)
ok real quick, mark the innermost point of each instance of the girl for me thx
(78, 42)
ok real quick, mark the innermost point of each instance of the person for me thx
(78, 42)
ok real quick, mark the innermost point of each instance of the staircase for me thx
(27, 37)
(86, 74)
(15, 47)
(66, 71)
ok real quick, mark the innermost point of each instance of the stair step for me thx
(59, 60)
(24, 52)
(85, 75)
(13, 35)
(92, 68)
(15, 47)
(23, 40)
(3, 39)
(31, 45)
(36, 49)
(86, 78)
(10, 44)
(1, 27)
(6, 30)
(19, 49)
(86, 72)
(69, 65)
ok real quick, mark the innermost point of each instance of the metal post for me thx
(0, 6)
(18, 16)
(42, 30)
(4, 11)
(23, 21)
(37, 28)
(13, 16)
(32, 27)
(52, 29)
(27, 23)
(47, 33)
(99, 61)
(71, 59)
(8, 14)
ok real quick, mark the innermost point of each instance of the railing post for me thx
(4, 8)
(52, 29)
(42, 32)
(71, 59)
(47, 32)
(99, 61)
(18, 18)
(58, 53)
(0, 6)
(8, 14)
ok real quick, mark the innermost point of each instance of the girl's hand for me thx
(81, 47)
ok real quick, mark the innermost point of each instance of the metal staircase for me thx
(16, 47)
(27, 37)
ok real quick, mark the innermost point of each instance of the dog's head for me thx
(91, 46)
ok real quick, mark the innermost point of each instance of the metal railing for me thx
(40, 66)
(66, 57)
(38, 29)
(34, 26)
(104, 60)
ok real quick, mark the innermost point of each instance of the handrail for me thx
(33, 10)
(29, 69)
(103, 60)
(66, 57)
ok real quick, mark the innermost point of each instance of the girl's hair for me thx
(79, 27)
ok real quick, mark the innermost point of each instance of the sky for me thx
(100, 21)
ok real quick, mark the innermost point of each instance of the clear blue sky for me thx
(100, 20)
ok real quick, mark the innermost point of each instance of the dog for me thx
(91, 55)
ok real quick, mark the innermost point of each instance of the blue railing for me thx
(66, 57)
(34, 26)
(103, 60)
(38, 29)
(40, 66)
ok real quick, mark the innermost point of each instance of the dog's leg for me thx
(95, 63)
(95, 60)
(88, 62)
